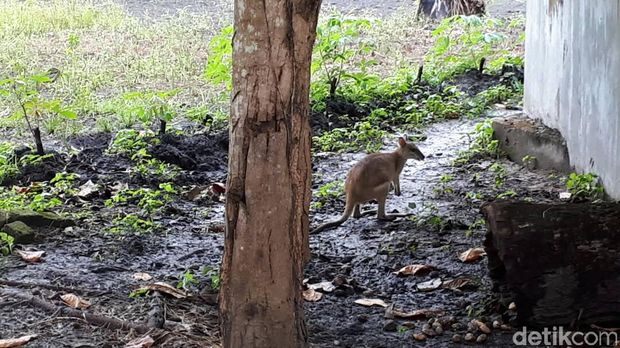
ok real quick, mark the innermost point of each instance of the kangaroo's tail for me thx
(348, 210)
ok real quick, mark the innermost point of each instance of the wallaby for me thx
(371, 178)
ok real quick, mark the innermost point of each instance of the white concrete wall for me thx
(572, 80)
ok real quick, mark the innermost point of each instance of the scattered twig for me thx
(17, 284)
(92, 319)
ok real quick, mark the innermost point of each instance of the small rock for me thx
(419, 336)
(456, 338)
(426, 326)
(512, 306)
(408, 324)
(496, 324)
(339, 280)
(446, 321)
(439, 330)
(482, 338)
(505, 327)
(38, 219)
(472, 327)
(390, 326)
(456, 326)
(480, 325)
(22, 233)
(436, 324)
(469, 337)
(429, 332)
(431, 321)
(336, 343)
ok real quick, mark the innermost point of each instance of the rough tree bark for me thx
(268, 188)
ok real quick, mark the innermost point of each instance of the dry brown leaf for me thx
(312, 295)
(481, 326)
(429, 285)
(88, 190)
(218, 188)
(30, 256)
(323, 286)
(75, 301)
(458, 283)
(472, 255)
(166, 289)
(369, 302)
(141, 342)
(415, 270)
(142, 276)
(16, 342)
(195, 192)
(418, 336)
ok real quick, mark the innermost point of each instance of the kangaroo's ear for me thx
(402, 142)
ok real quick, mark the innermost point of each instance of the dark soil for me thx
(360, 256)
(365, 252)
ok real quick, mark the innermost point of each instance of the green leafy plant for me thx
(584, 186)
(6, 243)
(499, 174)
(132, 223)
(214, 276)
(477, 225)
(442, 187)
(145, 107)
(339, 40)
(483, 144)
(134, 144)
(507, 194)
(219, 64)
(327, 192)
(139, 293)
(8, 162)
(363, 136)
(32, 105)
(462, 42)
(149, 202)
(187, 280)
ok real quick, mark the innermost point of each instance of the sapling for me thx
(32, 104)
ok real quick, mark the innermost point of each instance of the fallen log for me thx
(560, 262)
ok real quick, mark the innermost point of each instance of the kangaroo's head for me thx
(410, 150)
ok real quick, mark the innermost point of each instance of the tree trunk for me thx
(268, 189)
(448, 8)
(559, 262)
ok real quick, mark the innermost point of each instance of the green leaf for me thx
(68, 114)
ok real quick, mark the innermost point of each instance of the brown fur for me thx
(370, 179)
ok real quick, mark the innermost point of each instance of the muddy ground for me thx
(360, 255)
